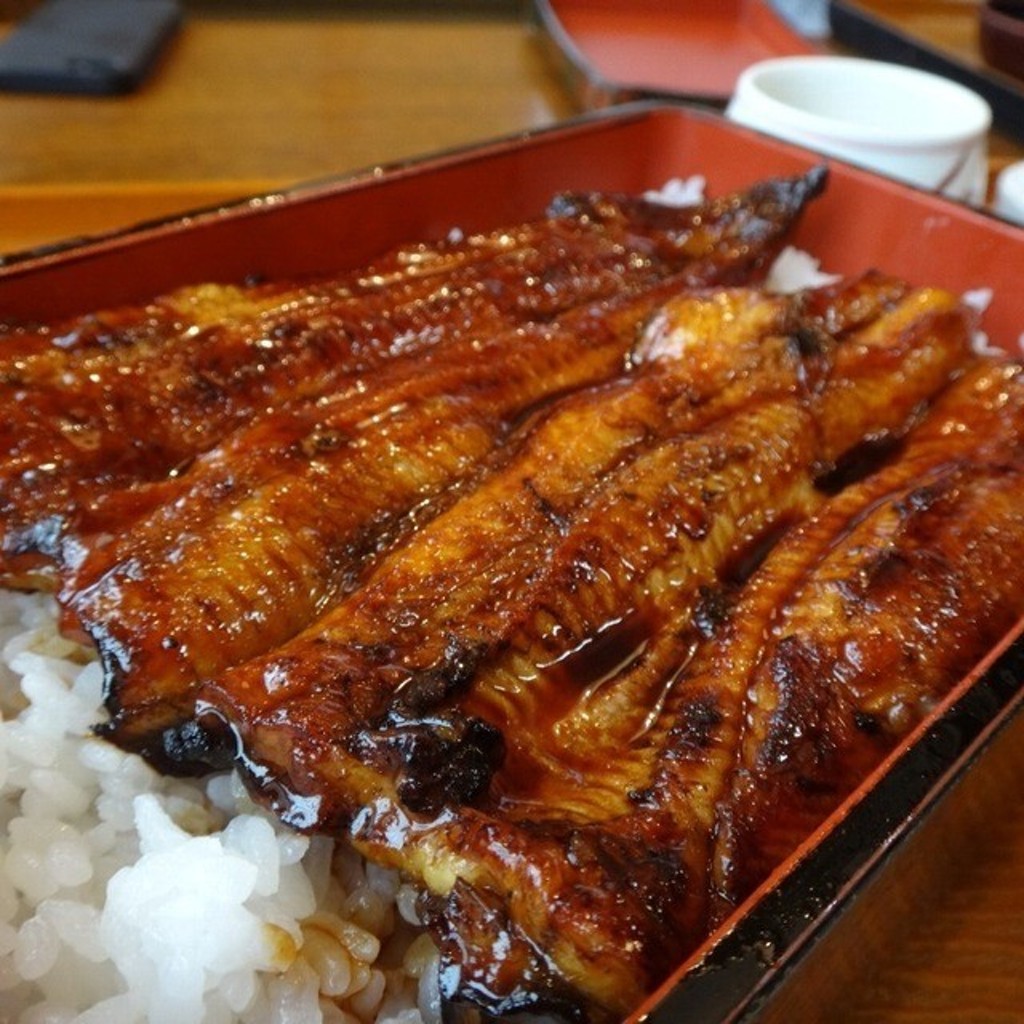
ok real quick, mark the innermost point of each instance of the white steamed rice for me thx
(128, 897)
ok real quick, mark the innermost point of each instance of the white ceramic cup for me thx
(1008, 201)
(902, 122)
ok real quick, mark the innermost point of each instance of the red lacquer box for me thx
(791, 942)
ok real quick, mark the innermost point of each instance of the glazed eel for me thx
(276, 522)
(584, 619)
(512, 708)
(103, 401)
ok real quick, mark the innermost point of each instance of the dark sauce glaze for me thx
(865, 458)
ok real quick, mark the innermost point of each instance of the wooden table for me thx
(248, 102)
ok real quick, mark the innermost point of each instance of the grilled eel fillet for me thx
(272, 525)
(210, 583)
(134, 394)
(919, 576)
(433, 713)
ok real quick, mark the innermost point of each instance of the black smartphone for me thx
(86, 46)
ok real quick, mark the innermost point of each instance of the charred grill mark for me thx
(322, 441)
(426, 689)
(867, 723)
(438, 761)
(519, 980)
(810, 340)
(696, 724)
(711, 609)
(547, 509)
(796, 732)
(199, 748)
(745, 561)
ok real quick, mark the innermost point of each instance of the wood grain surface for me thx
(243, 104)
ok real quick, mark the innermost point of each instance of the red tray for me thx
(862, 221)
(612, 52)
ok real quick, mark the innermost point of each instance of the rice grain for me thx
(131, 898)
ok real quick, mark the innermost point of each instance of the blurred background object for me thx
(807, 16)
(1001, 35)
(93, 47)
(1008, 201)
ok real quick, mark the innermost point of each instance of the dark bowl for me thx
(1001, 35)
